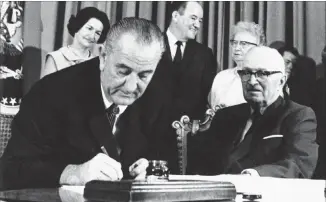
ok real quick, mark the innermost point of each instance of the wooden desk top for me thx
(47, 195)
(99, 191)
(156, 191)
(63, 195)
(272, 190)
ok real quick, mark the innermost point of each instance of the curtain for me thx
(301, 24)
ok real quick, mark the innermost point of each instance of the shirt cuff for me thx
(251, 172)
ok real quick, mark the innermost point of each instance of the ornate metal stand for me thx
(183, 127)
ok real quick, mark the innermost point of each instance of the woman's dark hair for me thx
(288, 48)
(82, 17)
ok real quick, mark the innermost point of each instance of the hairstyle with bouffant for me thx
(288, 48)
(82, 17)
(252, 28)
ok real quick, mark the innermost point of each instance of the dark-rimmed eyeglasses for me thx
(234, 43)
(260, 75)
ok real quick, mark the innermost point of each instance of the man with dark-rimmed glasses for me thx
(268, 135)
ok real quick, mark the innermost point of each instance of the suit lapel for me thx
(130, 137)
(101, 130)
(188, 55)
(269, 119)
(239, 151)
(165, 67)
(167, 54)
(98, 122)
(243, 148)
(264, 124)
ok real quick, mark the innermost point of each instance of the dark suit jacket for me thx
(62, 121)
(320, 172)
(292, 156)
(176, 91)
(302, 82)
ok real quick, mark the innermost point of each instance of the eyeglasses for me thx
(260, 75)
(243, 44)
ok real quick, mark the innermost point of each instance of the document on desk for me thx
(272, 189)
(243, 183)
(76, 189)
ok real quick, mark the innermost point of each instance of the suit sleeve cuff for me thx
(251, 172)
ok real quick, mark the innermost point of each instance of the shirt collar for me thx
(107, 103)
(271, 107)
(172, 39)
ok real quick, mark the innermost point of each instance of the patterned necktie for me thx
(178, 54)
(111, 113)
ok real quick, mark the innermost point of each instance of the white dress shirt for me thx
(173, 47)
(107, 104)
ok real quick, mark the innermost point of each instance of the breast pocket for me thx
(269, 149)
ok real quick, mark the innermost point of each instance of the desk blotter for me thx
(175, 190)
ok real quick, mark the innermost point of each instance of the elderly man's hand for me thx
(138, 169)
(100, 167)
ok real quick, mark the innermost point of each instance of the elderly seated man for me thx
(267, 136)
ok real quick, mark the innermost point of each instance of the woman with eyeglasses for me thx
(89, 27)
(227, 88)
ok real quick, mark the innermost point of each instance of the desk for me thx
(62, 195)
(50, 195)
(271, 189)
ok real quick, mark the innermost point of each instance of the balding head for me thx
(267, 58)
(262, 76)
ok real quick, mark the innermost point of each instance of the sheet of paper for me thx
(243, 183)
(271, 189)
(76, 189)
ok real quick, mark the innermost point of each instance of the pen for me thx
(104, 150)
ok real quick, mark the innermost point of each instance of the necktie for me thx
(178, 55)
(250, 125)
(111, 113)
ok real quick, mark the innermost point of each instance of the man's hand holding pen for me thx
(137, 169)
(100, 167)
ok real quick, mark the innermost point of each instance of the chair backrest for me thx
(184, 127)
(5, 131)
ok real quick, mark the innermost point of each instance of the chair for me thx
(5, 131)
(186, 127)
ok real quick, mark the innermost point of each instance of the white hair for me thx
(268, 56)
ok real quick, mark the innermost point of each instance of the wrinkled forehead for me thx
(264, 58)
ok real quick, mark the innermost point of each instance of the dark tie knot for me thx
(256, 115)
(111, 113)
(113, 109)
(178, 43)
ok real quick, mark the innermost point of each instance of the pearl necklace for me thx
(73, 50)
